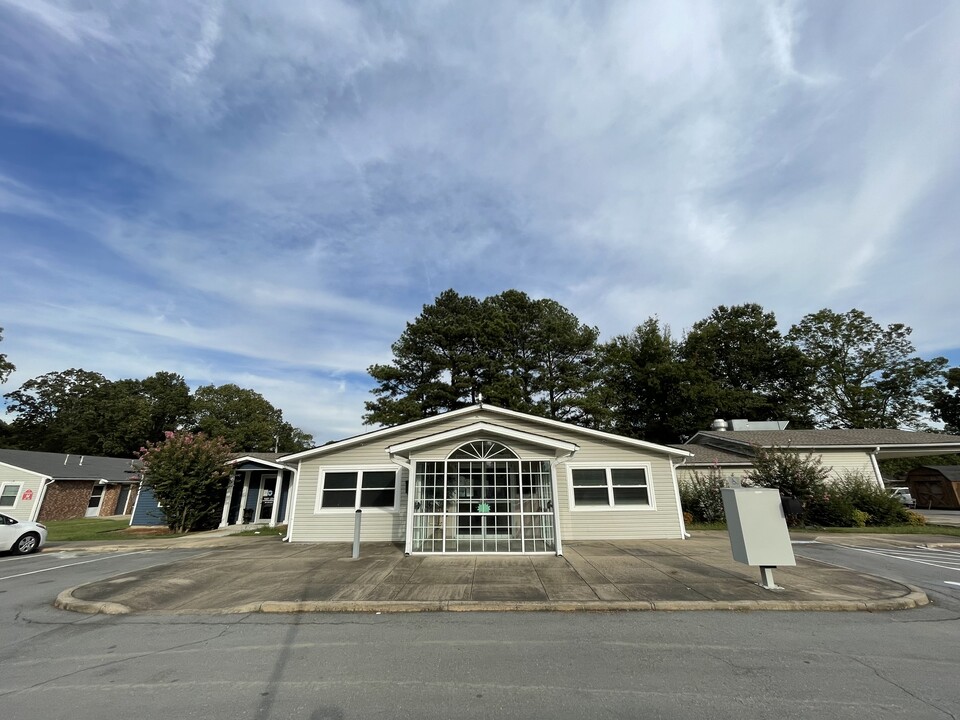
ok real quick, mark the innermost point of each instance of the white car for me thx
(21, 536)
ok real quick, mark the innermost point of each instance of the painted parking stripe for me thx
(894, 555)
(82, 562)
(951, 582)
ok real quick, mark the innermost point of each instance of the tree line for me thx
(82, 412)
(830, 370)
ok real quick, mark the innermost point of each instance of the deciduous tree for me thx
(244, 419)
(6, 367)
(945, 400)
(649, 392)
(865, 375)
(757, 374)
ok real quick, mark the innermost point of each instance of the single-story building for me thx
(483, 479)
(935, 486)
(842, 451)
(40, 486)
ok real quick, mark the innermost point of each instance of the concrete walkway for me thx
(262, 574)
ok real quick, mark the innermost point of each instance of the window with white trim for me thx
(358, 489)
(9, 494)
(606, 487)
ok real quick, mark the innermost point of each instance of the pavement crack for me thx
(125, 659)
(901, 687)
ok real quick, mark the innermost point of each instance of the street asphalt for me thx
(263, 574)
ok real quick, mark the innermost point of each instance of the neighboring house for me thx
(259, 492)
(486, 480)
(42, 486)
(842, 451)
(935, 486)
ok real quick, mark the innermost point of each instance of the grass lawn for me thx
(264, 530)
(97, 529)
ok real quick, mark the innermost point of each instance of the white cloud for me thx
(287, 184)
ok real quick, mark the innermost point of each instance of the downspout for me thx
(35, 513)
(676, 494)
(292, 505)
(408, 530)
(876, 467)
(556, 501)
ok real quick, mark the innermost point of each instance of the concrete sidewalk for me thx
(242, 575)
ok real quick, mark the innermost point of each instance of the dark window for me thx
(359, 489)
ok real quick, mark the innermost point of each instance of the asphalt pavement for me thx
(263, 574)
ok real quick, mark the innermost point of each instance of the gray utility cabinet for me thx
(757, 527)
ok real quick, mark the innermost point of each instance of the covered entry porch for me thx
(259, 492)
(495, 492)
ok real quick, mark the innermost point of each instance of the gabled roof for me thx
(891, 443)
(481, 429)
(707, 455)
(474, 409)
(61, 466)
(271, 460)
(950, 472)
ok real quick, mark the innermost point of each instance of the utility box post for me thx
(758, 530)
(356, 534)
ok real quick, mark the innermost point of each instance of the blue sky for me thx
(265, 193)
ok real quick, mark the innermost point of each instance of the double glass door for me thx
(482, 498)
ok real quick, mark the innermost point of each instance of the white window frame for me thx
(612, 506)
(359, 470)
(16, 498)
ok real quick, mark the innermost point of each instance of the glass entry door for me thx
(483, 499)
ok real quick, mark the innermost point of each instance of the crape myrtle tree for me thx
(865, 375)
(516, 352)
(188, 475)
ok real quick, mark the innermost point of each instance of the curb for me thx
(66, 601)
(914, 599)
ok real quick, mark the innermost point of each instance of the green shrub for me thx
(831, 509)
(800, 476)
(915, 518)
(865, 495)
(855, 500)
(700, 496)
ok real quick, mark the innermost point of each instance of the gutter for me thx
(35, 513)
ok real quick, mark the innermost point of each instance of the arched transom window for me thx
(483, 450)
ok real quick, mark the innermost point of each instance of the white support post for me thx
(243, 496)
(225, 515)
(275, 508)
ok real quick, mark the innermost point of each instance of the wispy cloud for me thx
(244, 190)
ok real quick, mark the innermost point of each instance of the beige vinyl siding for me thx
(26, 480)
(311, 526)
(739, 472)
(838, 462)
(844, 461)
(619, 523)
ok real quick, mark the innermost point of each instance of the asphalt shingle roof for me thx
(830, 438)
(70, 467)
(705, 455)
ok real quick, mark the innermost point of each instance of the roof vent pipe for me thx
(718, 425)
